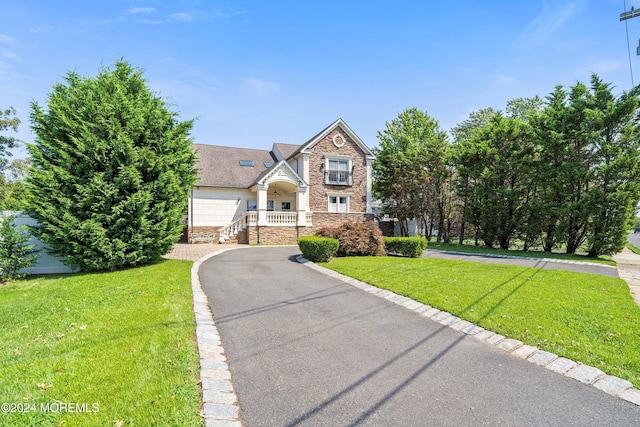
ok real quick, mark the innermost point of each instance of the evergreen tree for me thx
(112, 169)
(498, 162)
(15, 251)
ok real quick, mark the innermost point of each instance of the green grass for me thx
(514, 252)
(634, 249)
(123, 340)
(585, 317)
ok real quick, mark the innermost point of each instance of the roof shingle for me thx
(219, 166)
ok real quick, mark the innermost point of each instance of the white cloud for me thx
(552, 17)
(258, 87)
(42, 29)
(135, 10)
(181, 16)
(5, 39)
(8, 54)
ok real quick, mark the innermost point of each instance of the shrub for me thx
(405, 246)
(112, 170)
(15, 251)
(356, 238)
(318, 249)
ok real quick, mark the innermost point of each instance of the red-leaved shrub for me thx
(356, 238)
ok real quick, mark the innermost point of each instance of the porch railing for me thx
(251, 219)
(282, 218)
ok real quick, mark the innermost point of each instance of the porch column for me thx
(301, 204)
(262, 203)
(369, 184)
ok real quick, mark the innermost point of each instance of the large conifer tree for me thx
(112, 169)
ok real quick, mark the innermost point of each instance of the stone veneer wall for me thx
(357, 192)
(272, 235)
(333, 219)
(200, 233)
(276, 235)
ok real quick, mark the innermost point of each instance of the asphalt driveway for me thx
(307, 349)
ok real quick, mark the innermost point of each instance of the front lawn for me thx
(119, 346)
(603, 259)
(585, 317)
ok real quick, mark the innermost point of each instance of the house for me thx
(274, 197)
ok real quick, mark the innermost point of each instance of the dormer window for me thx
(338, 170)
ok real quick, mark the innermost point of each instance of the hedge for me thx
(405, 246)
(318, 249)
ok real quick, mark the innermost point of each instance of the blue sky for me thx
(258, 72)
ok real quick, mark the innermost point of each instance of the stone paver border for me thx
(584, 373)
(219, 400)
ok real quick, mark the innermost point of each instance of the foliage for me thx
(564, 172)
(633, 248)
(589, 166)
(498, 160)
(410, 170)
(318, 249)
(13, 188)
(112, 168)
(7, 121)
(584, 317)
(123, 340)
(15, 251)
(356, 238)
(405, 246)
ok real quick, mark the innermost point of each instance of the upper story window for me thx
(338, 171)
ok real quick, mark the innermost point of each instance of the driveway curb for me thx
(219, 400)
(584, 373)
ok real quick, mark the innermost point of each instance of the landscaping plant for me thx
(318, 249)
(15, 251)
(405, 246)
(112, 170)
(356, 238)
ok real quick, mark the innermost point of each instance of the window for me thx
(338, 204)
(286, 206)
(246, 163)
(271, 204)
(252, 205)
(338, 172)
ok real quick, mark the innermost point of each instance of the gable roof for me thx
(326, 131)
(282, 167)
(219, 166)
(285, 150)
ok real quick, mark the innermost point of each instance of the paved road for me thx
(634, 239)
(307, 349)
(604, 270)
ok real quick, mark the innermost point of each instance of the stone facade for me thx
(202, 234)
(276, 235)
(331, 219)
(319, 191)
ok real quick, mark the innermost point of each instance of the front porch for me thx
(271, 219)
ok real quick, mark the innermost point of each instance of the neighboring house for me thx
(47, 263)
(259, 196)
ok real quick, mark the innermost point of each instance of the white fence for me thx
(47, 263)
